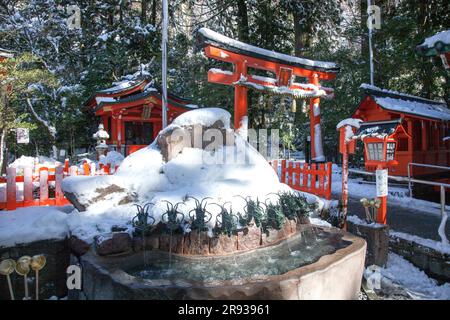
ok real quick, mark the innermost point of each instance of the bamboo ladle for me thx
(37, 263)
(23, 268)
(6, 268)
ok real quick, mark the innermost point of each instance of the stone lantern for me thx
(101, 136)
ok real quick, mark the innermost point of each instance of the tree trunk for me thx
(364, 36)
(301, 34)
(144, 6)
(243, 30)
(154, 12)
(2, 150)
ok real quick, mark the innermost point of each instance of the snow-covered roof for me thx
(206, 36)
(439, 43)
(146, 94)
(377, 128)
(349, 122)
(123, 85)
(406, 103)
(6, 53)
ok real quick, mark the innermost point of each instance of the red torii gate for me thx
(244, 56)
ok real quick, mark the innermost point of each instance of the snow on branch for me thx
(51, 129)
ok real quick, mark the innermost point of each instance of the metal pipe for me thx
(409, 180)
(402, 179)
(164, 62)
(441, 229)
(369, 4)
(428, 165)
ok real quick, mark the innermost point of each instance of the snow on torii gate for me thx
(285, 67)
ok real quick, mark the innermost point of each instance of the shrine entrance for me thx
(138, 133)
(286, 68)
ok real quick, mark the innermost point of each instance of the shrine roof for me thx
(6, 53)
(435, 45)
(206, 37)
(408, 104)
(150, 92)
(378, 129)
(123, 85)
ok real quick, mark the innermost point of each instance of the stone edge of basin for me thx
(319, 280)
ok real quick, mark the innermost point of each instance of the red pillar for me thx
(119, 132)
(240, 97)
(314, 119)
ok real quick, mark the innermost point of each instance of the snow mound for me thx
(223, 175)
(41, 161)
(26, 225)
(112, 157)
(204, 116)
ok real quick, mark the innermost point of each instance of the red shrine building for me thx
(131, 112)
(424, 134)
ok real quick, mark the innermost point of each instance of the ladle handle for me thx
(26, 287)
(11, 293)
(37, 284)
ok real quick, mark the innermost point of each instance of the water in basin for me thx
(299, 250)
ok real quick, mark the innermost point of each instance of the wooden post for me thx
(424, 135)
(11, 189)
(314, 120)
(86, 169)
(283, 171)
(43, 186)
(329, 180)
(59, 195)
(66, 166)
(344, 185)
(119, 133)
(382, 211)
(27, 186)
(73, 171)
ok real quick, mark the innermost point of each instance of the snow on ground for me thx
(396, 195)
(414, 281)
(356, 220)
(33, 224)
(436, 245)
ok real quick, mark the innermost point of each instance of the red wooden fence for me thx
(49, 180)
(313, 178)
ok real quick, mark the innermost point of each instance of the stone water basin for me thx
(314, 263)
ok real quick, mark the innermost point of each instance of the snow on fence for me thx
(313, 178)
(41, 187)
